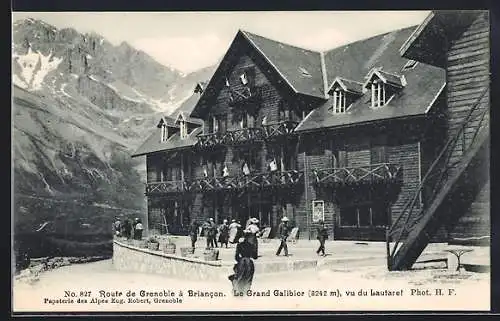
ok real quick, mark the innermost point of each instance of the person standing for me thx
(234, 231)
(117, 227)
(283, 231)
(244, 268)
(193, 233)
(206, 232)
(249, 221)
(211, 234)
(128, 229)
(213, 230)
(322, 237)
(138, 230)
(254, 229)
(224, 233)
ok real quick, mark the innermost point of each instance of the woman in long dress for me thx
(244, 268)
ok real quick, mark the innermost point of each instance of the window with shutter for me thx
(378, 154)
(342, 158)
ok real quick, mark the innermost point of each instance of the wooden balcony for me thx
(369, 174)
(244, 136)
(243, 95)
(166, 187)
(282, 179)
(212, 140)
(279, 129)
(252, 181)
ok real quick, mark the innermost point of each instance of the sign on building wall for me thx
(318, 211)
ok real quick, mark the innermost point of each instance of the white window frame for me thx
(215, 125)
(183, 128)
(339, 101)
(164, 132)
(378, 94)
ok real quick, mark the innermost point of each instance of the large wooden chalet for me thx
(345, 135)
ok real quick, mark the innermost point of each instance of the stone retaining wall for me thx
(133, 259)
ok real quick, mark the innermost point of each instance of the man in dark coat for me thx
(283, 231)
(211, 234)
(127, 229)
(224, 233)
(322, 237)
(193, 233)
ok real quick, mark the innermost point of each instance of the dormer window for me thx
(378, 93)
(344, 92)
(164, 132)
(184, 129)
(339, 104)
(383, 86)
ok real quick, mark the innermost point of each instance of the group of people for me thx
(128, 228)
(244, 268)
(223, 234)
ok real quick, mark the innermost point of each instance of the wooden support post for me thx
(216, 212)
(249, 213)
(388, 248)
(306, 195)
(260, 206)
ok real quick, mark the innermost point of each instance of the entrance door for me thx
(362, 222)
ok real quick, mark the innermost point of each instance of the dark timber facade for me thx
(278, 128)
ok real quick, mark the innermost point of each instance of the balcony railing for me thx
(244, 135)
(369, 174)
(210, 140)
(252, 181)
(167, 187)
(279, 129)
(244, 95)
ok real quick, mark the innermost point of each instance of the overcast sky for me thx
(189, 41)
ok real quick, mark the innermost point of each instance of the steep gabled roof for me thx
(301, 68)
(355, 60)
(364, 58)
(154, 144)
(351, 86)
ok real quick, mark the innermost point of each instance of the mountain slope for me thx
(80, 107)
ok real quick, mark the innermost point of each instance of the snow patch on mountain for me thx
(34, 68)
(63, 86)
(19, 82)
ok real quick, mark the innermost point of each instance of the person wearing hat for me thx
(254, 229)
(283, 231)
(193, 233)
(211, 234)
(249, 221)
(322, 237)
(244, 268)
(234, 231)
(206, 233)
(224, 233)
(117, 226)
(138, 228)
